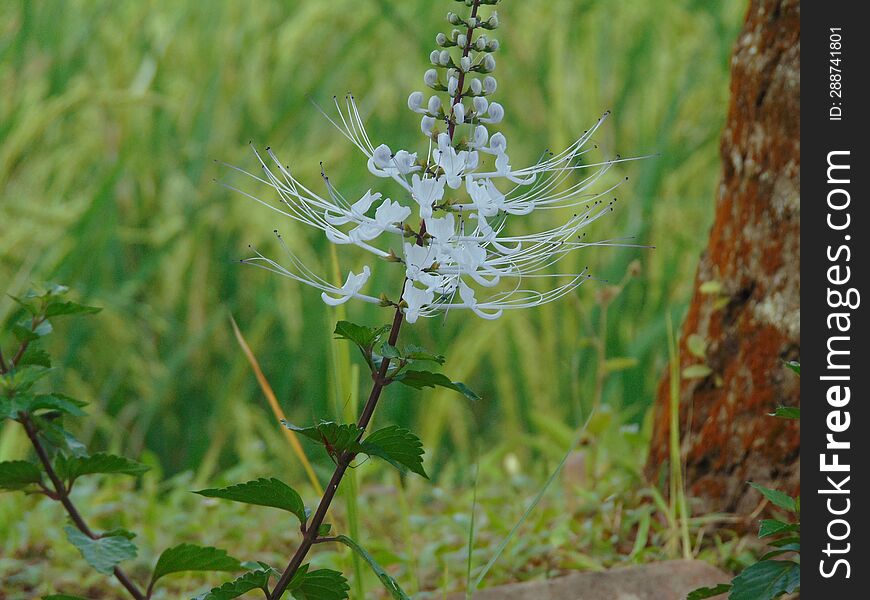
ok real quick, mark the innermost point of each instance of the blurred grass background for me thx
(114, 112)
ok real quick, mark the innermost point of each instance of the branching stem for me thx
(61, 494)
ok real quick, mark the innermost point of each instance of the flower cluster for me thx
(457, 198)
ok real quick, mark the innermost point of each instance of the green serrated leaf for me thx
(421, 354)
(262, 492)
(786, 548)
(334, 436)
(322, 584)
(18, 474)
(793, 540)
(794, 366)
(188, 557)
(709, 592)
(397, 446)
(56, 309)
(361, 335)
(72, 467)
(252, 580)
(766, 580)
(773, 527)
(58, 438)
(777, 498)
(787, 412)
(35, 356)
(18, 404)
(126, 533)
(104, 553)
(22, 378)
(388, 582)
(423, 379)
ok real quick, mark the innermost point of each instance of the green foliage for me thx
(103, 553)
(262, 492)
(423, 379)
(389, 583)
(709, 592)
(63, 597)
(71, 468)
(777, 498)
(336, 438)
(321, 584)
(787, 412)
(252, 580)
(771, 527)
(188, 557)
(18, 475)
(397, 446)
(766, 580)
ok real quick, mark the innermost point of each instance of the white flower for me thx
(350, 288)
(443, 228)
(454, 163)
(418, 263)
(426, 192)
(416, 299)
(415, 102)
(490, 84)
(465, 246)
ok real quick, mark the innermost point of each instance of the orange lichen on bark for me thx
(753, 323)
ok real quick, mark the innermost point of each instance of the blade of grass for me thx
(678, 490)
(503, 544)
(276, 408)
(469, 591)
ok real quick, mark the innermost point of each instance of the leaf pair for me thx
(370, 339)
(396, 445)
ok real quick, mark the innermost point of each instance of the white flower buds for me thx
(444, 58)
(461, 40)
(480, 43)
(427, 124)
(430, 78)
(492, 46)
(480, 104)
(453, 18)
(489, 84)
(434, 56)
(465, 64)
(459, 113)
(481, 134)
(476, 87)
(441, 40)
(434, 105)
(498, 143)
(382, 156)
(452, 84)
(488, 63)
(415, 102)
(496, 113)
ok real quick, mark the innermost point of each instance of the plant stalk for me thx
(451, 126)
(62, 495)
(310, 535)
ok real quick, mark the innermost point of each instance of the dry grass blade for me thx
(276, 408)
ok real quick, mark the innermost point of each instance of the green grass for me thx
(107, 142)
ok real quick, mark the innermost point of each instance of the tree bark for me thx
(752, 321)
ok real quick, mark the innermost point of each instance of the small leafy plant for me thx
(453, 248)
(61, 460)
(768, 578)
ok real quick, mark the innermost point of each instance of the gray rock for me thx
(668, 580)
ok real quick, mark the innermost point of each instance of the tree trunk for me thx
(746, 305)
